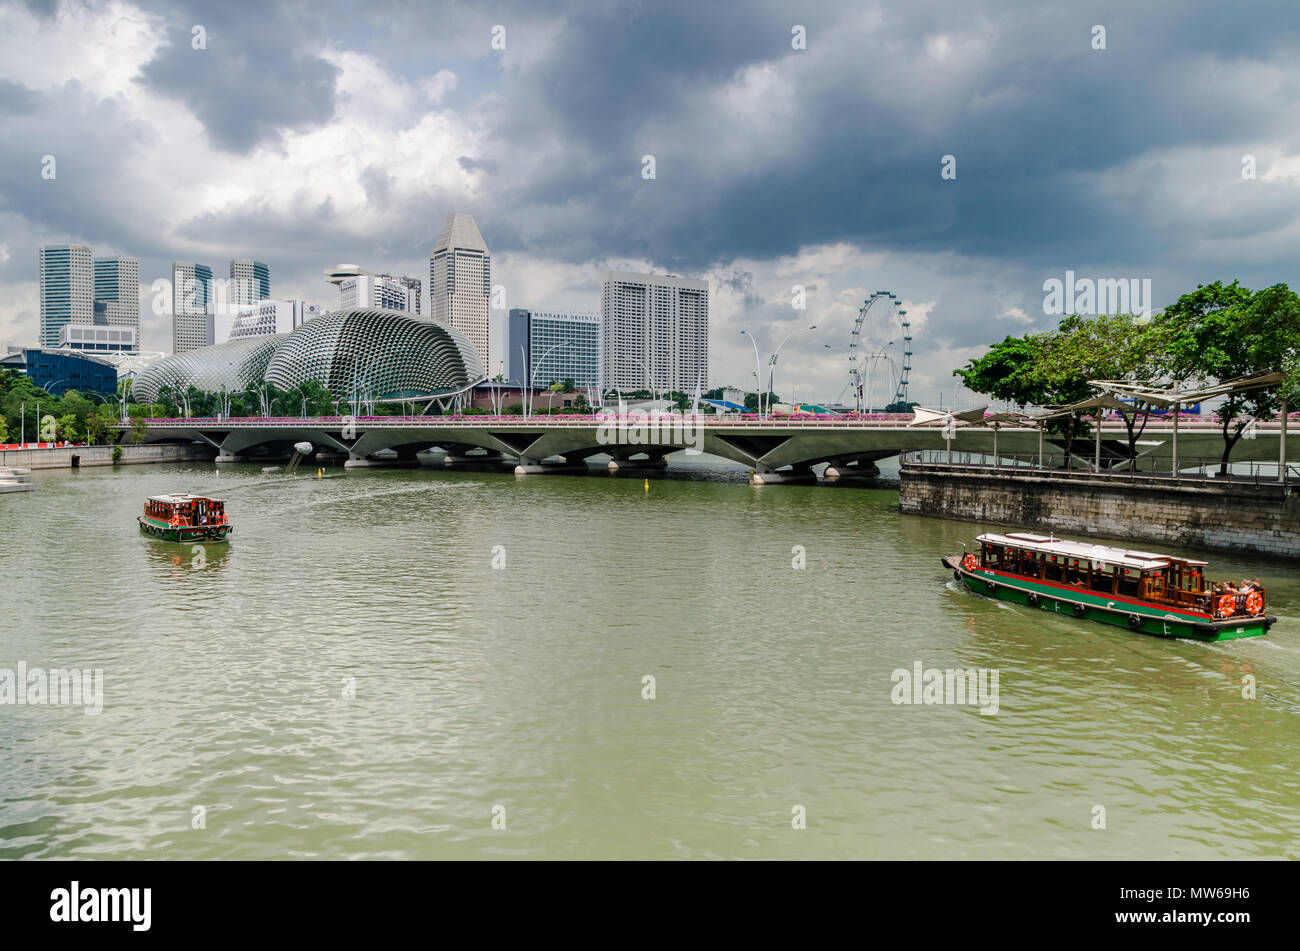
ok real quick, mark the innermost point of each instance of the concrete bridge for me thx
(777, 450)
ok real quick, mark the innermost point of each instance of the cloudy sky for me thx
(310, 134)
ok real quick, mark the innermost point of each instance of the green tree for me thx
(1028, 371)
(68, 430)
(1112, 347)
(1223, 332)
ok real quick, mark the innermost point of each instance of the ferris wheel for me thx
(882, 336)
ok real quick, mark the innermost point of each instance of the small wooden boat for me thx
(1151, 593)
(185, 518)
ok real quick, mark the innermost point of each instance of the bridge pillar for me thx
(653, 460)
(838, 469)
(231, 458)
(363, 462)
(798, 473)
(533, 467)
(488, 458)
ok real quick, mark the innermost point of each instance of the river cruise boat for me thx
(1154, 594)
(185, 518)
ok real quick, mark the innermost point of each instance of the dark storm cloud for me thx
(1034, 116)
(259, 74)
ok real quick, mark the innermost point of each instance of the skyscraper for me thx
(67, 289)
(191, 306)
(546, 347)
(117, 292)
(654, 332)
(250, 282)
(460, 282)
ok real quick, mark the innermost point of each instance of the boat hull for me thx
(1131, 614)
(183, 533)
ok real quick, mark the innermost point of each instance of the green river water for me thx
(352, 677)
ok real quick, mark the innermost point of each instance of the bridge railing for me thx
(1058, 464)
(727, 420)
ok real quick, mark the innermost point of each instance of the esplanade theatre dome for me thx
(385, 353)
(229, 367)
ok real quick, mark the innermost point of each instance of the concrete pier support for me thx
(842, 470)
(797, 474)
(633, 465)
(487, 459)
(533, 467)
(361, 462)
(233, 458)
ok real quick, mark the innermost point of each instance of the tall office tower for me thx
(117, 292)
(67, 289)
(381, 291)
(654, 332)
(250, 282)
(460, 283)
(546, 347)
(191, 307)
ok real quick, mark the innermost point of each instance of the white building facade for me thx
(654, 332)
(380, 292)
(272, 317)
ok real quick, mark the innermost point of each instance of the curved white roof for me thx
(1098, 554)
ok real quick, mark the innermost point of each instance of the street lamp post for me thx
(771, 364)
(758, 372)
(532, 380)
(854, 380)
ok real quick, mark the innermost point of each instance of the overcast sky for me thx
(311, 134)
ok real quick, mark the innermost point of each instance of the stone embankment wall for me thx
(1261, 518)
(63, 457)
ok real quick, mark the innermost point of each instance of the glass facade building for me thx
(553, 346)
(57, 371)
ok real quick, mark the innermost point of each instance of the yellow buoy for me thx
(319, 472)
(647, 485)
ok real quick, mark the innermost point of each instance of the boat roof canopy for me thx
(1098, 554)
(178, 498)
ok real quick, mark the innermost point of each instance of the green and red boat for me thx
(1143, 591)
(185, 518)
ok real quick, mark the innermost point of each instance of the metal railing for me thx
(571, 420)
(1147, 469)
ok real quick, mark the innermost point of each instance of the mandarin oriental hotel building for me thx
(546, 347)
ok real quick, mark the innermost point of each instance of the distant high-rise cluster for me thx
(460, 282)
(651, 333)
